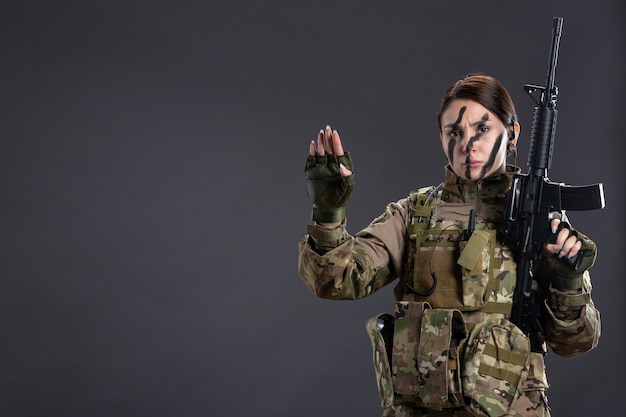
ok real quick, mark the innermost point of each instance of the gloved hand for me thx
(329, 185)
(559, 257)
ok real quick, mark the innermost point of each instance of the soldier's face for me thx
(474, 140)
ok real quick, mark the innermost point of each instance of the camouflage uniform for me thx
(436, 363)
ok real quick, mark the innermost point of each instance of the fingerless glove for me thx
(327, 188)
(563, 275)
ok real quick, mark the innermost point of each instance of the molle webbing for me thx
(421, 211)
(440, 267)
(499, 373)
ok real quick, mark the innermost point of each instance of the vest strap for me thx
(499, 373)
(493, 307)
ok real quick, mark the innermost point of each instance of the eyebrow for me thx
(483, 119)
(456, 123)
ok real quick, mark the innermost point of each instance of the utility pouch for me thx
(478, 256)
(496, 361)
(438, 358)
(380, 330)
(406, 343)
(425, 363)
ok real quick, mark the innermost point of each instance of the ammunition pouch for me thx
(496, 359)
(433, 362)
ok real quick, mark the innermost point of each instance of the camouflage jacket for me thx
(337, 265)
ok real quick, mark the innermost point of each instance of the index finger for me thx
(554, 225)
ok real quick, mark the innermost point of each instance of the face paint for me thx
(470, 145)
(454, 126)
(475, 143)
(492, 156)
(451, 146)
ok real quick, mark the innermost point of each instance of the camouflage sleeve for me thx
(572, 320)
(336, 265)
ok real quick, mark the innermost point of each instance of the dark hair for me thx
(485, 90)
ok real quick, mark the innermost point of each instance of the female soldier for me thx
(449, 349)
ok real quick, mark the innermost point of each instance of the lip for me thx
(473, 164)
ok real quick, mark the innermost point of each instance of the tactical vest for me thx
(449, 267)
(427, 353)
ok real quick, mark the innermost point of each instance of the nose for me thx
(465, 143)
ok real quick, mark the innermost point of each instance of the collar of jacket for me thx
(492, 190)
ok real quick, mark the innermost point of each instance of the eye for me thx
(454, 134)
(483, 129)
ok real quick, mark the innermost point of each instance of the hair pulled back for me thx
(488, 92)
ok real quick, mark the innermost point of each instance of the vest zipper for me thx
(479, 195)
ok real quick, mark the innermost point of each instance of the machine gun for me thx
(533, 197)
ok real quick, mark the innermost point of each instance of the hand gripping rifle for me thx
(533, 197)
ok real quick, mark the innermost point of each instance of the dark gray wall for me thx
(153, 195)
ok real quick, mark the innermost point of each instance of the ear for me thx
(516, 130)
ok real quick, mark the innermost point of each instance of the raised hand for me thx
(329, 178)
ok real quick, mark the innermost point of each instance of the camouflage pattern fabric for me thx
(495, 365)
(337, 265)
(530, 404)
(529, 396)
(381, 359)
(406, 342)
(438, 358)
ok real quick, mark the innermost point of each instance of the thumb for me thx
(345, 172)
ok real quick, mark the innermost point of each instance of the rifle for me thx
(533, 197)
